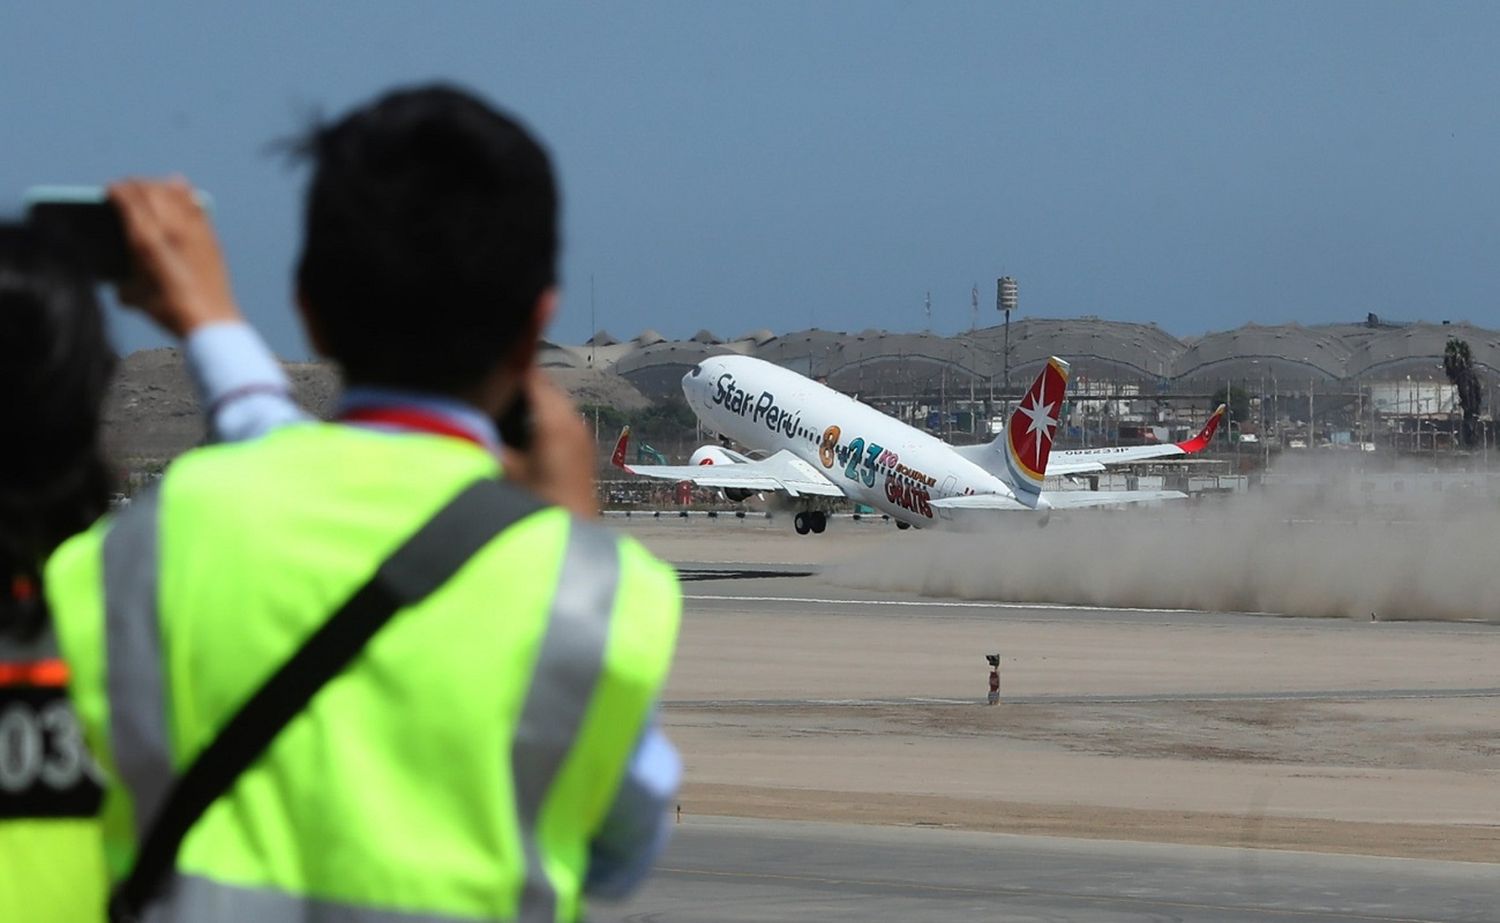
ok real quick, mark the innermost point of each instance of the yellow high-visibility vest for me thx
(458, 768)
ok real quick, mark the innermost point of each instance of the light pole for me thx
(1007, 299)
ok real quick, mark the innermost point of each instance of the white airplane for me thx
(824, 444)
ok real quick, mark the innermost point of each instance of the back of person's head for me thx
(431, 234)
(55, 366)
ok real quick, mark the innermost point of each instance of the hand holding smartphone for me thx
(150, 238)
(516, 425)
(548, 447)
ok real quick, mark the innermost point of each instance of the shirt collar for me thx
(453, 412)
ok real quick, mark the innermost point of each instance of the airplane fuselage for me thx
(875, 459)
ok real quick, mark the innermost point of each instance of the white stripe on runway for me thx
(954, 604)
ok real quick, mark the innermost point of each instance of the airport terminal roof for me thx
(759, 337)
(1417, 351)
(809, 352)
(1286, 353)
(657, 370)
(1353, 335)
(1095, 347)
(876, 361)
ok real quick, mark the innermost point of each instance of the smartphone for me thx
(515, 423)
(83, 225)
(80, 223)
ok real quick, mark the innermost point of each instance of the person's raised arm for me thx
(180, 280)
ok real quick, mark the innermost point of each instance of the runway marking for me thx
(1000, 891)
(1105, 698)
(957, 604)
(689, 575)
(1075, 607)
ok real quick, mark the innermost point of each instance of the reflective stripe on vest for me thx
(195, 898)
(133, 664)
(561, 687)
(562, 684)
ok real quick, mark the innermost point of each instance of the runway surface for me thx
(799, 592)
(736, 871)
(1158, 743)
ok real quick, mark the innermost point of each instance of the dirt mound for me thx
(151, 413)
(605, 389)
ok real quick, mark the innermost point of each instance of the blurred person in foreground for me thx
(491, 752)
(54, 482)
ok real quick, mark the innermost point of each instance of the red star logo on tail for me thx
(1042, 419)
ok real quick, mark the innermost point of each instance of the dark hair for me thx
(55, 366)
(431, 231)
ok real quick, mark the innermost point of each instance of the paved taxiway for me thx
(737, 871)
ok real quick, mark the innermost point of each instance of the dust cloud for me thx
(1315, 542)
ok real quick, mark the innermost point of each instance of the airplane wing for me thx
(782, 471)
(1060, 500)
(1061, 465)
(1081, 461)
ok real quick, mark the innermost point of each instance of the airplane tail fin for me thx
(1200, 442)
(618, 458)
(1029, 432)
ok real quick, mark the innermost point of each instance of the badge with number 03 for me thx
(45, 769)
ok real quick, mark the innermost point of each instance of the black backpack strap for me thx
(422, 564)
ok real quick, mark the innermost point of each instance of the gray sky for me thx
(735, 166)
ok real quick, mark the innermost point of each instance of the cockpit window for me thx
(697, 370)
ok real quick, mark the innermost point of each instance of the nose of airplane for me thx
(692, 383)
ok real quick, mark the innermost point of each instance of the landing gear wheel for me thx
(903, 526)
(800, 523)
(818, 520)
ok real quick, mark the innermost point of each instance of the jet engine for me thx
(715, 455)
(718, 455)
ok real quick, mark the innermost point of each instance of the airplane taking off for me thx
(825, 444)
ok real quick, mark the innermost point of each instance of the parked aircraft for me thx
(822, 444)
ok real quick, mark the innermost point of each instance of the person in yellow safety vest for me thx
(53, 483)
(492, 751)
